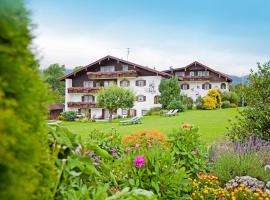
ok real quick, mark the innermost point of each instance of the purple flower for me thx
(139, 161)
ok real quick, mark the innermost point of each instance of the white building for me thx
(82, 85)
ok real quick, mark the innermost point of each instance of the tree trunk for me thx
(110, 115)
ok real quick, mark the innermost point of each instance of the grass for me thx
(212, 123)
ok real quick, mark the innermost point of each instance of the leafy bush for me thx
(199, 102)
(209, 103)
(176, 104)
(69, 115)
(153, 169)
(254, 120)
(187, 102)
(233, 105)
(232, 97)
(154, 111)
(215, 94)
(225, 104)
(144, 138)
(230, 165)
(188, 150)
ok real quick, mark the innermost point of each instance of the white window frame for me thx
(108, 83)
(185, 86)
(109, 68)
(89, 98)
(124, 111)
(124, 68)
(126, 83)
(191, 73)
(180, 74)
(88, 84)
(140, 98)
(140, 83)
(207, 86)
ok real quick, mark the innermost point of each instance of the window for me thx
(108, 83)
(156, 99)
(124, 83)
(125, 68)
(141, 83)
(88, 84)
(192, 73)
(223, 86)
(97, 84)
(179, 74)
(141, 98)
(144, 112)
(203, 73)
(200, 73)
(185, 86)
(107, 68)
(124, 111)
(88, 98)
(206, 86)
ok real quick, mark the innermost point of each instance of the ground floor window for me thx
(144, 112)
(223, 86)
(141, 98)
(124, 111)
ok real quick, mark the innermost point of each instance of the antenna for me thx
(128, 52)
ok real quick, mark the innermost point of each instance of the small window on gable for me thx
(88, 84)
(88, 98)
(124, 83)
(125, 67)
(206, 86)
(141, 98)
(107, 68)
(223, 86)
(141, 83)
(185, 86)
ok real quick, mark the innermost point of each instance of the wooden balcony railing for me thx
(83, 89)
(116, 74)
(196, 78)
(81, 104)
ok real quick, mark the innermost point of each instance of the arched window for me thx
(141, 98)
(223, 86)
(206, 86)
(88, 98)
(124, 83)
(184, 86)
(156, 99)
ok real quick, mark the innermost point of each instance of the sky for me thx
(230, 36)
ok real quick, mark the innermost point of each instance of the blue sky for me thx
(231, 35)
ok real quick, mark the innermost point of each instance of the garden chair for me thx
(172, 113)
(168, 113)
(133, 120)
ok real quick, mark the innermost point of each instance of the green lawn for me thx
(212, 123)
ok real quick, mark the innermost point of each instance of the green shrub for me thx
(199, 102)
(176, 104)
(233, 105)
(154, 111)
(230, 165)
(232, 97)
(188, 102)
(225, 104)
(187, 149)
(69, 115)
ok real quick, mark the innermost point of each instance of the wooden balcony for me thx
(81, 104)
(110, 75)
(196, 78)
(83, 89)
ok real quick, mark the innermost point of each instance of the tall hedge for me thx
(22, 107)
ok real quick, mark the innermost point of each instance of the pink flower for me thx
(139, 161)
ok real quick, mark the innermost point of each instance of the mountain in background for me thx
(236, 79)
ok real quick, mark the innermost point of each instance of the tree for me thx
(169, 90)
(51, 77)
(114, 97)
(23, 108)
(254, 119)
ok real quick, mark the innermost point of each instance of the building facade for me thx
(82, 85)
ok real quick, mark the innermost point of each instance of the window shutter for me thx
(181, 86)
(144, 98)
(136, 83)
(82, 98)
(144, 82)
(203, 86)
(210, 86)
(94, 83)
(94, 98)
(188, 86)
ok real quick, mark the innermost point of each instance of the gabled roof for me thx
(200, 64)
(164, 74)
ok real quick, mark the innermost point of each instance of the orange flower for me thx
(186, 125)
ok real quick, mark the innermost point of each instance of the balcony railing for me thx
(81, 104)
(196, 78)
(116, 74)
(83, 89)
